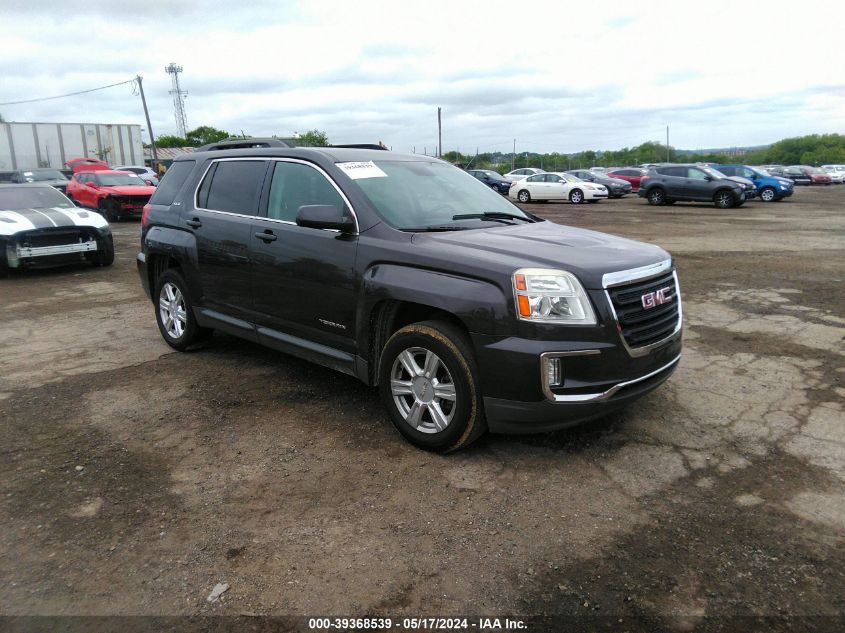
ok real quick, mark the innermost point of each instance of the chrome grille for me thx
(641, 326)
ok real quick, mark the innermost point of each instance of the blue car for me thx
(769, 188)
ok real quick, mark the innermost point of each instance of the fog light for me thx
(554, 376)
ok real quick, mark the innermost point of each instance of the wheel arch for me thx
(394, 296)
(167, 248)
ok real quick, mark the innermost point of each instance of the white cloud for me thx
(550, 74)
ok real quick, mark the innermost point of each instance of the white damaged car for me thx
(40, 227)
(557, 186)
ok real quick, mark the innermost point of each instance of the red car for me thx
(631, 174)
(79, 164)
(115, 194)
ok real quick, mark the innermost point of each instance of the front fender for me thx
(480, 305)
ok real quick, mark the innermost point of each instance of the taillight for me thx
(144, 214)
(642, 178)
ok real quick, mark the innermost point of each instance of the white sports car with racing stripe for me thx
(40, 227)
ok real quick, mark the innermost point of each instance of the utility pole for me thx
(513, 156)
(439, 135)
(140, 80)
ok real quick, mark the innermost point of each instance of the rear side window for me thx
(672, 171)
(234, 187)
(172, 182)
(295, 185)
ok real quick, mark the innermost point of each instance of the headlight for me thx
(590, 187)
(551, 296)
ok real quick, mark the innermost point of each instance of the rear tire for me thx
(523, 196)
(428, 384)
(175, 314)
(656, 197)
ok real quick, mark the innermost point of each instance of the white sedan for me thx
(557, 186)
(522, 173)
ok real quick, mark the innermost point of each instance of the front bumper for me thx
(509, 416)
(26, 252)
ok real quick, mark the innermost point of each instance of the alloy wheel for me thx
(423, 390)
(171, 307)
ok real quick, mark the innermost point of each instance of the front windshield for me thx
(117, 180)
(40, 197)
(760, 171)
(44, 174)
(713, 173)
(813, 170)
(422, 195)
(570, 177)
(494, 175)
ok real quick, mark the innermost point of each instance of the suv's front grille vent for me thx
(647, 311)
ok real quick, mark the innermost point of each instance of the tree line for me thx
(814, 149)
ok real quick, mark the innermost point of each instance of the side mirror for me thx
(324, 216)
(708, 178)
(90, 184)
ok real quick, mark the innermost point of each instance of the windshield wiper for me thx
(491, 215)
(431, 229)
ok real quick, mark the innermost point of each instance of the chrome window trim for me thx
(273, 159)
(636, 352)
(621, 277)
(594, 397)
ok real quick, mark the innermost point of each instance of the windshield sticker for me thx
(362, 169)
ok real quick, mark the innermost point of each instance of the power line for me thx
(70, 94)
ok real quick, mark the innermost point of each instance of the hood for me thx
(19, 220)
(743, 181)
(130, 190)
(783, 181)
(587, 254)
(614, 181)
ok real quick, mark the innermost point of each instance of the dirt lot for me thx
(134, 479)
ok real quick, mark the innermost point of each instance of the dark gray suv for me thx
(468, 313)
(668, 184)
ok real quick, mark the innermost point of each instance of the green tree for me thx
(205, 134)
(311, 138)
(171, 140)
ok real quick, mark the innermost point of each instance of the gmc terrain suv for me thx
(468, 313)
(668, 184)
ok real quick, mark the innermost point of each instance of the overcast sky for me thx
(557, 76)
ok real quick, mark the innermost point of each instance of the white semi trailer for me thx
(31, 145)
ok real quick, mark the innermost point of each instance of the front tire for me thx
(724, 199)
(656, 197)
(767, 194)
(104, 208)
(523, 196)
(175, 314)
(105, 255)
(576, 196)
(428, 384)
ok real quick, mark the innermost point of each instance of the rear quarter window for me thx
(172, 182)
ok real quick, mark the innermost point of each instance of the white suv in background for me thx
(144, 173)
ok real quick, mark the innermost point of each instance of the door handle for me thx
(194, 223)
(267, 236)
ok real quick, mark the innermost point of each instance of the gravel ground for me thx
(135, 479)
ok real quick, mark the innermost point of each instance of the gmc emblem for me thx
(658, 297)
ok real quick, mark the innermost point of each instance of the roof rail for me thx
(243, 143)
(362, 146)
